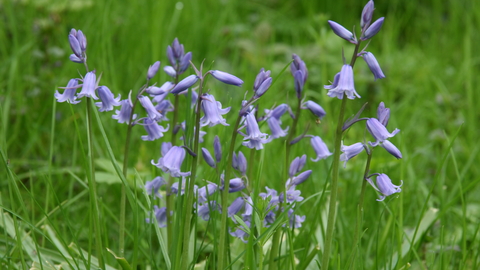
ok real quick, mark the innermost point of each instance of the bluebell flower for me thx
(254, 137)
(384, 185)
(342, 32)
(78, 44)
(180, 187)
(178, 58)
(89, 86)
(165, 148)
(263, 81)
(300, 74)
(161, 216)
(107, 98)
(373, 29)
(295, 221)
(154, 130)
(381, 134)
(152, 187)
(367, 15)
(274, 122)
(239, 162)
(316, 109)
(236, 206)
(235, 185)
(170, 71)
(344, 84)
(297, 165)
(217, 149)
(383, 114)
(320, 148)
(147, 104)
(163, 107)
(293, 195)
(297, 180)
(172, 162)
(205, 191)
(184, 84)
(69, 93)
(205, 209)
(226, 78)
(349, 151)
(373, 65)
(213, 111)
(208, 158)
(152, 70)
(123, 116)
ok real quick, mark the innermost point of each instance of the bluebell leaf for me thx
(373, 29)
(152, 70)
(367, 15)
(373, 65)
(344, 85)
(69, 93)
(89, 86)
(108, 100)
(316, 109)
(384, 185)
(342, 32)
(226, 77)
(184, 84)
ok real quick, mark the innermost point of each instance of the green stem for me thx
(224, 196)
(335, 168)
(191, 180)
(359, 222)
(93, 188)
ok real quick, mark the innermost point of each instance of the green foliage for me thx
(426, 50)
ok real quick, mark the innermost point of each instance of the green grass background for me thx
(426, 49)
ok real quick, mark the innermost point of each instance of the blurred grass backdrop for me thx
(427, 52)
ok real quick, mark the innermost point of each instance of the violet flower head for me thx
(147, 104)
(316, 109)
(239, 162)
(295, 221)
(381, 134)
(107, 98)
(217, 149)
(293, 195)
(154, 130)
(153, 186)
(78, 44)
(342, 32)
(178, 58)
(226, 78)
(320, 148)
(205, 209)
(235, 185)
(297, 180)
(274, 122)
(179, 187)
(383, 114)
(373, 29)
(208, 158)
(213, 111)
(263, 81)
(384, 185)
(373, 65)
(184, 84)
(69, 93)
(343, 85)
(297, 165)
(89, 86)
(123, 116)
(152, 70)
(350, 151)
(160, 215)
(300, 74)
(170, 71)
(205, 191)
(367, 15)
(254, 137)
(236, 206)
(172, 162)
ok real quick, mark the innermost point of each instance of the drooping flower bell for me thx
(213, 111)
(384, 185)
(320, 148)
(172, 162)
(69, 93)
(343, 84)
